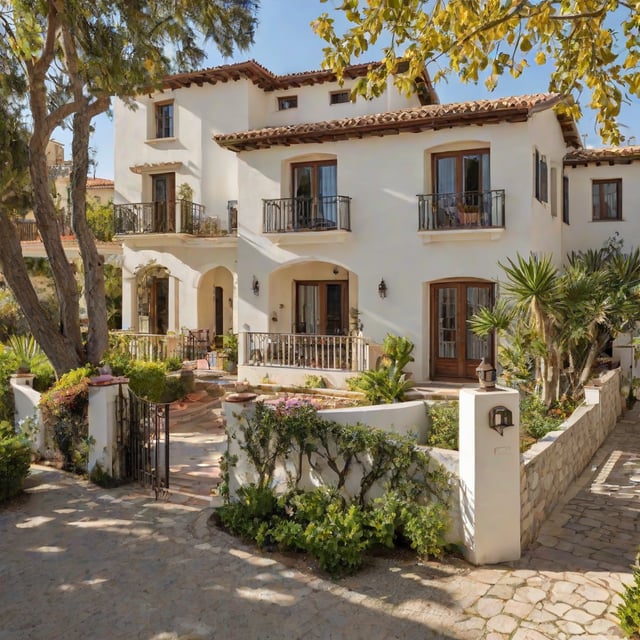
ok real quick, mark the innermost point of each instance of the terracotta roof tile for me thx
(99, 183)
(609, 155)
(436, 116)
(261, 76)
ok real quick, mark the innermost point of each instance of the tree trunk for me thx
(94, 291)
(58, 348)
(49, 228)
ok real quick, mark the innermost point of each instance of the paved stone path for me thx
(77, 561)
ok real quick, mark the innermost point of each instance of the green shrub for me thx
(45, 376)
(536, 420)
(314, 382)
(7, 369)
(335, 530)
(388, 383)
(149, 380)
(15, 458)
(629, 609)
(444, 430)
(64, 411)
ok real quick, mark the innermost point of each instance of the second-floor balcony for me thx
(463, 210)
(179, 216)
(324, 213)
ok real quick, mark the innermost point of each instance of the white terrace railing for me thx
(346, 353)
(159, 347)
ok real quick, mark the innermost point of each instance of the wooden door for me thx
(455, 350)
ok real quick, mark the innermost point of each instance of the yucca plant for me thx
(27, 352)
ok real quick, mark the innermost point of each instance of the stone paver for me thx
(78, 561)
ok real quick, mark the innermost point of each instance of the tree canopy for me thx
(61, 63)
(593, 45)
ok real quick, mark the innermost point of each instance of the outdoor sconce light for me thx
(274, 316)
(382, 289)
(335, 271)
(486, 376)
(231, 302)
(255, 286)
(499, 418)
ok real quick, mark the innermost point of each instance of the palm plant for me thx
(554, 325)
(27, 352)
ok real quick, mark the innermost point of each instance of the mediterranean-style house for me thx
(312, 224)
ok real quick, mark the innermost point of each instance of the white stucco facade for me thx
(235, 147)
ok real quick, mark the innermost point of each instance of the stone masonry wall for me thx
(551, 464)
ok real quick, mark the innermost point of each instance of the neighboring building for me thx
(313, 225)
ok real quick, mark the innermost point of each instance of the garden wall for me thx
(26, 407)
(406, 418)
(550, 465)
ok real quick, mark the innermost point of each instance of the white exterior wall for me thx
(585, 233)
(382, 175)
(546, 230)
(314, 105)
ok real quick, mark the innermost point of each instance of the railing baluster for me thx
(306, 350)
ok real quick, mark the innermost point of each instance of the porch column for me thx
(174, 304)
(129, 302)
(489, 477)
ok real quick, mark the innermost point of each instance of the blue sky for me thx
(285, 43)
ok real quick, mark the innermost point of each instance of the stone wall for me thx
(550, 465)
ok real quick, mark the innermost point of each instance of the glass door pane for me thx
(447, 322)
(334, 324)
(308, 308)
(477, 347)
(327, 192)
(303, 194)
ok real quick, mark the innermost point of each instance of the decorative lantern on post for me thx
(486, 376)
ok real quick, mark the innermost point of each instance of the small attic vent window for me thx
(339, 97)
(287, 102)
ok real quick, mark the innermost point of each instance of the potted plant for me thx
(230, 350)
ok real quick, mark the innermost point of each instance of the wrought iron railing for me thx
(180, 216)
(326, 213)
(349, 353)
(463, 210)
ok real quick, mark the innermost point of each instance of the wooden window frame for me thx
(322, 300)
(458, 155)
(601, 202)
(314, 180)
(287, 102)
(159, 123)
(541, 172)
(335, 97)
(565, 199)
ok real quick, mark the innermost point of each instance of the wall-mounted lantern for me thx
(382, 289)
(255, 286)
(486, 376)
(499, 418)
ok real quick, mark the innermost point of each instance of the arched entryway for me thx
(153, 301)
(215, 301)
(455, 350)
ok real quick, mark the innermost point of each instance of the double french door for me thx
(455, 350)
(321, 307)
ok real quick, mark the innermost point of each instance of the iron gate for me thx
(143, 440)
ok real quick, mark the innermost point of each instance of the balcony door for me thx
(462, 185)
(164, 195)
(321, 307)
(315, 189)
(455, 350)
